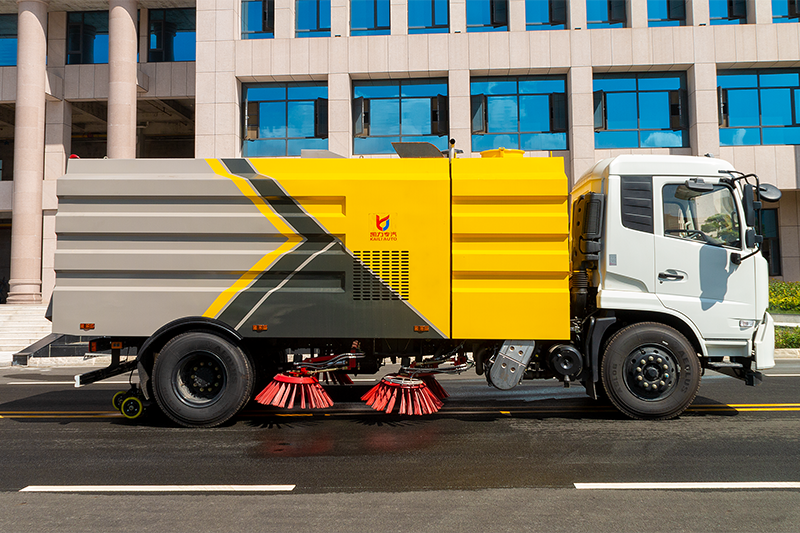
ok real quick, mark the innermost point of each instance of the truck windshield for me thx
(704, 216)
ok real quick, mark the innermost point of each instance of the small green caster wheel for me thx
(118, 399)
(131, 407)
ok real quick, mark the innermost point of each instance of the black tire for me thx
(650, 371)
(201, 379)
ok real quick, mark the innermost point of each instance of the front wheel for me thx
(650, 371)
(201, 379)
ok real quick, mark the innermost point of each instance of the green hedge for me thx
(784, 297)
(786, 337)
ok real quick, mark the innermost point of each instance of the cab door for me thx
(696, 233)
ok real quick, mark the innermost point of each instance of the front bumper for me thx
(764, 343)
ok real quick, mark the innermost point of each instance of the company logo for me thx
(382, 223)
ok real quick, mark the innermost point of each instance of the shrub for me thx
(784, 297)
(787, 337)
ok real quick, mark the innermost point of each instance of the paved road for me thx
(489, 461)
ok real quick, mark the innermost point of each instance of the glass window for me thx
(727, 11)
(545, 14)
(313, 18)
(606, 13)
(758, 107)
(281, 119)
(644, 110)
(785, 11)
(87, 38)
(369, 17)
(258, 19)
(399, 111)
(172, 35)
(771, 247)
(708, 217)
(487, 15)
(8, 40)
(666, 13)
(428, 16)
(521, 112)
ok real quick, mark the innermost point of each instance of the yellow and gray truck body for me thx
(401, 257)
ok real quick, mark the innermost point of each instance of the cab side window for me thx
(709, 217)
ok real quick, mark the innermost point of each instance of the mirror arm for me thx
(737, 258)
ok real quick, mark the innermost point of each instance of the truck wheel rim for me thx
(651, 372)
(200, 379)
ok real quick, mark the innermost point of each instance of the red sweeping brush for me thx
(414, 396)
(288, 387)
(435, 387)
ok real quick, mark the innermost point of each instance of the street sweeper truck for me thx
(239, 279)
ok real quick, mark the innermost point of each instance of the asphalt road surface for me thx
(538, 458)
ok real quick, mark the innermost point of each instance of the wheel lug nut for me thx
(639, 378)
(662, 383)
(644, 362)
(638, 369)
(665, 367)
(658, 360)
(666, 376)
(647, 386)
(650, 358)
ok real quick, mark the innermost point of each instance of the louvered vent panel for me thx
(391, 267)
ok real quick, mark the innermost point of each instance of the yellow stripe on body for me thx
(264, 263)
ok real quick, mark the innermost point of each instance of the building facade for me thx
(580, 79)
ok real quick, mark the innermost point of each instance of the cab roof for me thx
(658, 165)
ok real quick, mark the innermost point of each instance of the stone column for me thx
(398, 17)
(458, 16)
(516, 15)
(460, 109)
(576, 14)
(284, 19)
(759, 11)
(122, 67)
(703, 116)
(697, 13)
(26, 219)
(581, 121)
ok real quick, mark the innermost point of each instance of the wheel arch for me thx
(626, 318)
(157, 340)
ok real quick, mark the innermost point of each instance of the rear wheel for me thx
(201, 379)
(650, 371)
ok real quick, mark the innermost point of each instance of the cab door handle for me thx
(664, 276)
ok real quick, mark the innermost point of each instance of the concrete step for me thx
(22, 325)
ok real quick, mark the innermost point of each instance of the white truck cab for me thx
(680, 246)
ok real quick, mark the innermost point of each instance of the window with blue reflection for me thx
(606, 13)
(173, 35)
(369, 17)
(785, 11)
(545, 14)
(640, 110)
(313, 18)
(666, 13)
(8, 40)
(519, 112)
(258, 19)
(399, 111)
(428, 16)
(281, 119)
(758, 107)
(487, 15)
(87, 38)
(727, 12)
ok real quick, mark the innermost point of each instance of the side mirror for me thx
(749, 205)
(769, 192)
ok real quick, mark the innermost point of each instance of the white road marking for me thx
(782, 375)
(63, 382)
(690, 486)
(158, 488)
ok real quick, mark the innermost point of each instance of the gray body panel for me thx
(143, 243)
